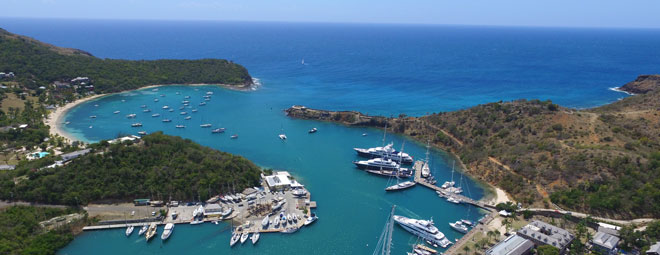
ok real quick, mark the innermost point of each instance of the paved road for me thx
(583, 215)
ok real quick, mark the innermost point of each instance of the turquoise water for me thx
(352, 205)
(376, 69)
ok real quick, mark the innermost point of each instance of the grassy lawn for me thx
(14, 101)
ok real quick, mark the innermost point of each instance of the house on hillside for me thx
(605, 243)
(75, 154)
(7, 167)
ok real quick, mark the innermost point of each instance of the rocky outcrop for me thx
(351, 118)
(643, 84)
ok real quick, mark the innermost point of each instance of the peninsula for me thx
(602, 161)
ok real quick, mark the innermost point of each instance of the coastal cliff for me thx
(603, 161)
(643, 84)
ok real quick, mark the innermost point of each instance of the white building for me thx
(281, 181)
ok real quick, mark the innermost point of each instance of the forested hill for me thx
(604, 161)
(159, 167)
(39, 64)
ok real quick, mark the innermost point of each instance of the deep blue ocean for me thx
(376, 69)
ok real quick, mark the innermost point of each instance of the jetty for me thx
(421, 181)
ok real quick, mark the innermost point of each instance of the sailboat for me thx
(400, 185)
(282, 135)
(385, 241)
(451, 183)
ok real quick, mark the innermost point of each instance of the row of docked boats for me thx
(150, 231)
(242, 237)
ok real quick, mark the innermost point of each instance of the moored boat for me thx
(151, 232)
(218, 130)
(136, 124)
(155, 115)
(244, 237)
(387, 152)
(400, 186)
(205, 125)
(255, 237)
(129, 230)
(311, 219)
(167, 120)
(424, 229)
(264, 222)
(376, 164)
(313, 130)
(234, 239)
(458, 226)
(169, 228)
(143, 230)
(180, 126)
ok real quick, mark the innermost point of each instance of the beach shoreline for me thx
(53, 120)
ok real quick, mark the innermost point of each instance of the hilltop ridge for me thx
(604, 161)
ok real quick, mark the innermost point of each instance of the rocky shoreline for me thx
(643, 84)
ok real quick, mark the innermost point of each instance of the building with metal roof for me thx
(513, 245)
(542, 233)
(605, 243)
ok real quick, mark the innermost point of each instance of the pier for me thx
(421, 181)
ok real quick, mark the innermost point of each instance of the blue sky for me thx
(560, 13)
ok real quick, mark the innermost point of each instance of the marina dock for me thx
(421, 181)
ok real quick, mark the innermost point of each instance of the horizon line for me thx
(333, 22)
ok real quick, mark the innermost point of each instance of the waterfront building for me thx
(542, 233)
(513, 245)
(281, 181)
(212, 209)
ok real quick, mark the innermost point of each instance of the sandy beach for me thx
(54, 118)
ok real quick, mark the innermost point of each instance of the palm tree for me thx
(476, 247)
(489, 235)
(466, 248)
(497, 234)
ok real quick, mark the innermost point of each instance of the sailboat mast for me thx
(384, 134)
(390, 228)
(452, 170)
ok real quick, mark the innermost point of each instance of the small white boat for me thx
(171, 110)
(264, 222)
(146, 110)
(143, 106)
(202, 104)
(209, 93)
(453, 200)
(142, 133)
(311, 219)
(136, 124)
(218, 130)
(205, 125)
(91, 126)
(364, 134)
(288, 218)
(313, 130)
(188, 117)
(93, 116)
(180, 126)
(186, 97)
(467, 222)
(255, 237)
(183, 113)
(194, 110)
(166, 107)
(155, 115)
(155, 99)
(116, 112)
(67, 123)
(234, 137)
(234, 239)
(131, 116)
(227, 211)
(276, 223)
(162, 95)
(143, 230)
(129, 230)
(96, 105)
(244, 237)
(458, 226)
(167, 120)
(169, 228)
(289, 230)
(282, 136)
